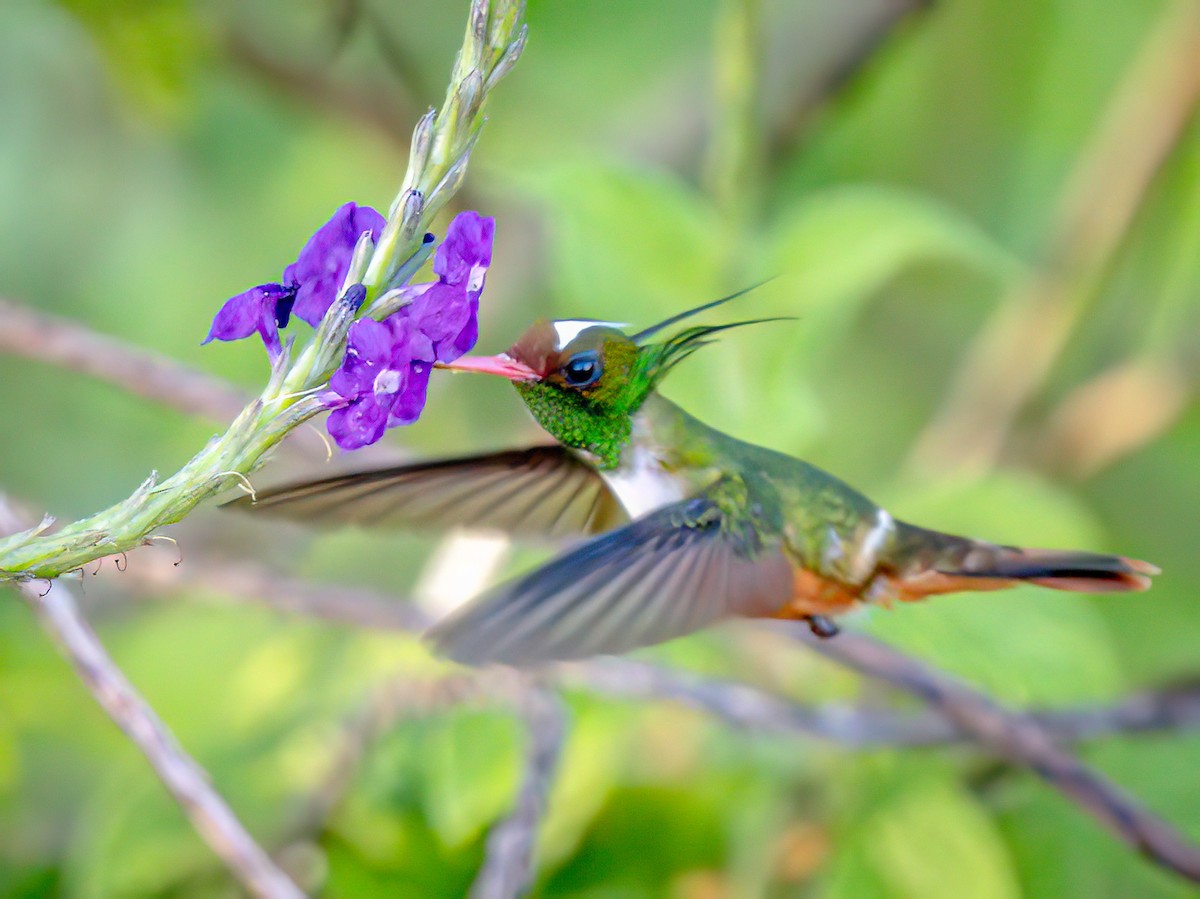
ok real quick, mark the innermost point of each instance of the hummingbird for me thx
(675, 525)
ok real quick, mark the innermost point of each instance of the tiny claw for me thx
(823, 627)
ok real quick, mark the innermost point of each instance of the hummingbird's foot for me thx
(823, 627)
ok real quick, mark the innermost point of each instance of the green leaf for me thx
(471, 764)
(629, 244)
(132, 839)
(589, 770)
(150, 46)
(1062, 851)
(927, 838)
(839, 247)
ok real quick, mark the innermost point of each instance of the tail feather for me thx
(1061, 570)
(934, 562)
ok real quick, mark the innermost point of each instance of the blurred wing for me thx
(665, 575)
(543, 491)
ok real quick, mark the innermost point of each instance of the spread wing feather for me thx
(543, 491)
(666, 574)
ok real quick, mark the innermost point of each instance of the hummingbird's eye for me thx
(582, 369)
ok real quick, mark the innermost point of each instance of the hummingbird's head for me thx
(584, 380)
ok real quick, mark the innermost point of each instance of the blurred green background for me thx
(985, 215)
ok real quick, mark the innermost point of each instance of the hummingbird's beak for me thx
(501, 364)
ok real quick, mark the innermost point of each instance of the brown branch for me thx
(847, 725)
(255, 585)
(508, 864)
(1020, 740)
(749, 708)
(187, 782)
(878, 26)
(75, 347)
(739, 704)
(1014, 353)
(388, 116)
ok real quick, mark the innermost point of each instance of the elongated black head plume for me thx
(640, 337)
(677, 348)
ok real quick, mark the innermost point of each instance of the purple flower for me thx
(383, 379)
(376, 377)
(446, 310)
(309, 287)
(264, 309)
(321, 267)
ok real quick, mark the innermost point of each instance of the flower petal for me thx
(384, 379)
(353, 379)
(409, 342)
(447, 315)
(468, 245)
(238, 317)
(359, 424)
(410, 401)
(253, 310)
(369, 341)
(321, 267)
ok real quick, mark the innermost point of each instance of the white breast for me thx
(642, 484)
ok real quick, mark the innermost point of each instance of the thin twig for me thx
(508, 864)
(742, 707)
(257, 585)
(1020, 740)
(75, 347)
(388, 116)
(739, 704)
(187, 782)
(1016, 350)
(854, 727)
(877, 27)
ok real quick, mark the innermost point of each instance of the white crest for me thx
(570, 328)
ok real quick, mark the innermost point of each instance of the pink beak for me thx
(502, 364)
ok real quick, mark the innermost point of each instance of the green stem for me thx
(735, 151)
(441, 149)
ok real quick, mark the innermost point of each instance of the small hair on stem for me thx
(243, 484)
(149, 540)
(323, 439)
